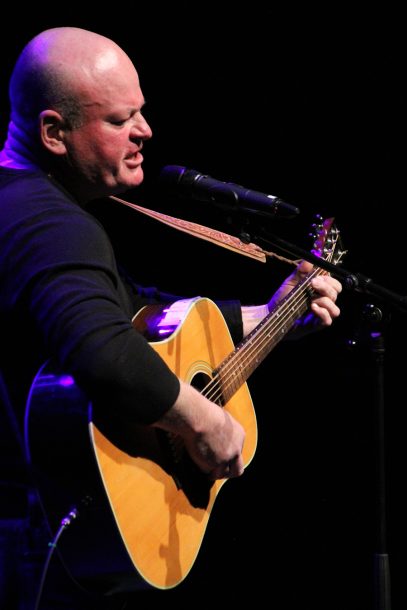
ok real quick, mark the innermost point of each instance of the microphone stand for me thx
(350, 279)
(381, 565)
(359, 283)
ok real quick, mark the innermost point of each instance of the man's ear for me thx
(52, 131)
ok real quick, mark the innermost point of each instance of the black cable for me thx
(66, 521)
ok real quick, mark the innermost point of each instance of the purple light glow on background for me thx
(66, 381)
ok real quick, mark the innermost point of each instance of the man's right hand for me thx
(212, 437)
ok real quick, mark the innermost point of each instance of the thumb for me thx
(303, 268)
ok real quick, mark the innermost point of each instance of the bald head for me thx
(55, 70)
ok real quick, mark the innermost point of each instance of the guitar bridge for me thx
(186, 475)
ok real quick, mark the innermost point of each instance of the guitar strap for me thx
(202, 232)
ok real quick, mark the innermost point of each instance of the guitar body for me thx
(143, 504)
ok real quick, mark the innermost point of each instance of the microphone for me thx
(190, 183)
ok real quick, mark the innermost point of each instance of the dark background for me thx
(309, 108)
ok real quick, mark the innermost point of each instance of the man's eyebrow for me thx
(138, 108)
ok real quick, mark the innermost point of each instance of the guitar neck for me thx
(251, 352)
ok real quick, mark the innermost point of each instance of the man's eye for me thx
(118, 123)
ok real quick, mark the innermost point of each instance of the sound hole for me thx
(200, 381)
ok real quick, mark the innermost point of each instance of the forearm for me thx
(322, 304)
(212, 437)
(190, 413)
(252, 316)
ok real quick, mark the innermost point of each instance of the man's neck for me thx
(14, 161)
(19, 150)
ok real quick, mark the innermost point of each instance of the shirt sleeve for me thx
(63, 270)
(60, 272)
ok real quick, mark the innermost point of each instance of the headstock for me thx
(327, 242)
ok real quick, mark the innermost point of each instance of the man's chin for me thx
(132, 179)
(126, 185)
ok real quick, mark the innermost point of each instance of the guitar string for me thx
(220, 384)
(223, 382)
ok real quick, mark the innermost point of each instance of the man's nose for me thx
(141, 130)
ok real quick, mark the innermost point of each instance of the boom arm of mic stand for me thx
(351, 280)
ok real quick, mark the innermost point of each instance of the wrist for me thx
(252, 316)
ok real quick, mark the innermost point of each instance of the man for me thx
(76, 133)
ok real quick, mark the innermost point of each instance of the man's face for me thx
(104, 151)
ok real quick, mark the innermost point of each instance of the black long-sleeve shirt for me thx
(62, 297)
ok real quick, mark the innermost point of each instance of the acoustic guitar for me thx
(142, 505)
